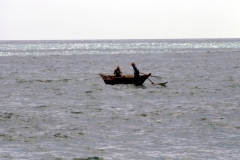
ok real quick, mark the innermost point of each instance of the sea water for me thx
(54, 105)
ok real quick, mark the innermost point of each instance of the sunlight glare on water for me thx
(116, 46)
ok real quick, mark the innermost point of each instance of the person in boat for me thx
(117, 72)
(136, 71)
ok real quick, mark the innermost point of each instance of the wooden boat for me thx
(126, 79)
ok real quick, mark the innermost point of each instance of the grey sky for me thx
(118, 19)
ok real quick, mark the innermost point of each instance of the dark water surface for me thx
(58, 107)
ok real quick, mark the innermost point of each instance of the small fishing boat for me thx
(126, 79)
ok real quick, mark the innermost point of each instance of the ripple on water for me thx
(65, 110)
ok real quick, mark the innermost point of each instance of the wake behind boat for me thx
(125, 79)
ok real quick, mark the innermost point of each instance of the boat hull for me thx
(126, 79)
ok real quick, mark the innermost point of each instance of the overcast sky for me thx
(118, 19)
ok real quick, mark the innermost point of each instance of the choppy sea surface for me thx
(54, 105)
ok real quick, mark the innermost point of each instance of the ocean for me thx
(55, 106)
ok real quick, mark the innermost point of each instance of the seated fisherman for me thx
(117, 72)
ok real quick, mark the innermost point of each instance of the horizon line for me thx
(117, 39)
